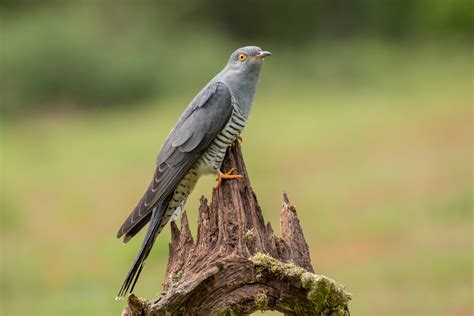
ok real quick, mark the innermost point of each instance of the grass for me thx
(377, 161)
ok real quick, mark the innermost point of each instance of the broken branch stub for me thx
(237, 265)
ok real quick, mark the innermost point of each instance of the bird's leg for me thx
(227, 175)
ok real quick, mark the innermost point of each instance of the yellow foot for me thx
(239, 138)
(227, 175)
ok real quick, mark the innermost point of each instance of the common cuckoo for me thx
(195, 146)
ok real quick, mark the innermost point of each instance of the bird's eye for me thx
(242, 56)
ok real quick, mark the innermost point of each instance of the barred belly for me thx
(210, 162)
(180, 195)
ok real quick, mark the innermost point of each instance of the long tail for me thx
(152, 232)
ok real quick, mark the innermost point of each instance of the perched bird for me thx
(195, 146)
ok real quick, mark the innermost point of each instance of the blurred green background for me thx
(365, 109)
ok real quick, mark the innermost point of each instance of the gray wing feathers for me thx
(200, 123)
(180, 133)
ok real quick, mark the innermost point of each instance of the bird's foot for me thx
(239, 139)
(228, 175)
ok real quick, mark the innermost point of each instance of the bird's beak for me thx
(262, 54)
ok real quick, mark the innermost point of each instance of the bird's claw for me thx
(227, 175)
(239, 139)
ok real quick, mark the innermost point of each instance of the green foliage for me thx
(54, 58)
(67, 54)
(307, 20)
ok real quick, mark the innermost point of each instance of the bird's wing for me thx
(202, 120)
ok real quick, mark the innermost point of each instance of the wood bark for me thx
(237, 265)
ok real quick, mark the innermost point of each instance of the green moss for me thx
(324, 293)
(298, 309)
(176, 276)
(319, 293)
(234, 310)
(265, 262)
(279, 244)
(249, 235)
(261, 300)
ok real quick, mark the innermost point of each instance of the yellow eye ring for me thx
(242, 56)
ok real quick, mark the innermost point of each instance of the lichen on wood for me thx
(326, 295)
(237, 265)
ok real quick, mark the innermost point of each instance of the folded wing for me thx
(197, 127)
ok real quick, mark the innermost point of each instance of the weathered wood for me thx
(237, 264)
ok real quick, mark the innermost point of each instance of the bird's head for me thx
(247, 60)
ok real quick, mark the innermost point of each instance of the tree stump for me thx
(237, 264)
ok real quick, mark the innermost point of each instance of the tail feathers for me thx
(136, 229)
(152, 232)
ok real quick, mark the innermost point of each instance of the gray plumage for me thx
(195, 146)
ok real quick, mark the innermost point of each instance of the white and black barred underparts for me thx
(214, 155)
(210, 162)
